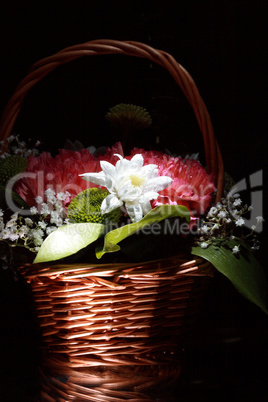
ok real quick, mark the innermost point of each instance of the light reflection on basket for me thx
(115, 330)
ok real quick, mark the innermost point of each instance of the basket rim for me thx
(180, 264)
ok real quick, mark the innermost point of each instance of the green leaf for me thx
(18, 201)
(242, 269)
(68, 240)
(157, 214)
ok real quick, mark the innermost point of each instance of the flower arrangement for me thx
(120, 241)
(116, 207)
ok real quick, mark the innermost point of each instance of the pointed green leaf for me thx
(157, 214)
(68, 240)
(242, 269)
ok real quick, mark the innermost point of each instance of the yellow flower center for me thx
(137, 181)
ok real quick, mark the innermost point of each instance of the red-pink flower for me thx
(61, 173)
(192, 185)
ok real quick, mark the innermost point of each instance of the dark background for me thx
(223, 44)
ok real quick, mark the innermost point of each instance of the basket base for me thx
(120, 339)
(111, 384)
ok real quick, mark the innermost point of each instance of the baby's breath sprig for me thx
(224, 221)
(14, 146)
(30, 232)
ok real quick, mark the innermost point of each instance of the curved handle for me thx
(100, 47)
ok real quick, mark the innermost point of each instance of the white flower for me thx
(33, 210)
(54, 215)
(22, 231)
(1, 212)
(62, 196)
(6, 233)
(204, 244)
(255, 247)
(42, 224)
(239, 222)
(11, 223)
(259, 219)
(28, 222)
(215, 227)
(237, 202)
(10, 138)
(38, 199)
(13, 236)
(38, 241)
(205, 229)
(45, 209)
(58, 222)
(222, 214)
(235, 250)
(59, 207)
(37, 233)
(50, 229)
(55, 218)
(49, 192)
(212, 211)
(131, 183)
(14, 216)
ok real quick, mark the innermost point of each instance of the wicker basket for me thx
(116, 332)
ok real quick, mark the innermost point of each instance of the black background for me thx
(223, 44)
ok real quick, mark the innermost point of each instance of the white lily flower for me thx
(129, 183)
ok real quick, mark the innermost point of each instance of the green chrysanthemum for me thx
(85, 207)
(131, 116)
(10, 166)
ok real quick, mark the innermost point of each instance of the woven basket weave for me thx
(116, 332)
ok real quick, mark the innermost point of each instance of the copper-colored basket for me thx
(115, 332)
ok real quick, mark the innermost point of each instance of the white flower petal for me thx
(109, 203)
(108, 168)
(119, 156)
(97, 178)
(128, 192)
(110, 185)
(122, 166)
(149, 171)
(157, 183)
(146, 207)
(148, 196)
(135, 211)
(136, 162)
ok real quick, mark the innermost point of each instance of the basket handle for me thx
(100, 47)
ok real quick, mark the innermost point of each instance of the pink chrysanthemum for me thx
(192, 186)
(61, 173)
